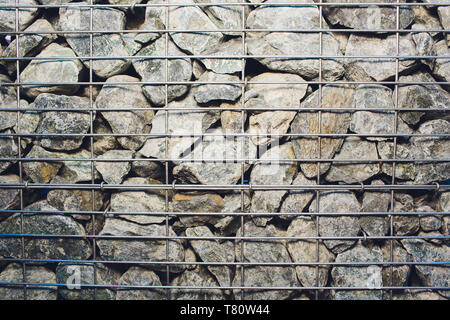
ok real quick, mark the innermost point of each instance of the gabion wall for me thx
(179, 149)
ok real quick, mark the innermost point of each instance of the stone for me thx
(430, 223)
(137, 276)
(339, 225)
(233, 204)
(113, 172)
(147, 250)
(369, 18)
(59, 122)
(377, 68)
(154, 20)
(75, 18)
(8, 17)
(307, 122)
(180, 124)
(297, 200)
(375, 201)
(8, 149)
(405, 225)
(139, 201)
(293, 43)
(197, 69)
(126, 122)
(147, 168)
(232, 47)
(231, 121)
(222, 154)
(418, 295)
(431, 275)
(305, 251)
(441, 69)
(103, 143)
(403, 170)
(268, 96)
(213, 251)
(349, 172)
(267, 276)
(369, 276)
(192, 18)
(41, 171)
(52, 71)
(75, 171)
(197, 203)
(9, 198)
(444, 17)
(28, 123)
(373, 96)
(154, 70)
(8, 99)
(30, 44)
(204, 93)
(48, 224)
(424, 46)
(13, 273)
(74, 276)
(424, 19)
(200, 279)
(421, 96)
(272, 171)
(400, 273)
(224, 17)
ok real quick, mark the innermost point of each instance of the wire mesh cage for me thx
(178, 149)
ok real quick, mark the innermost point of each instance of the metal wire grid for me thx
(24, 186)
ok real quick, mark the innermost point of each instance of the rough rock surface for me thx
(137, 276)
(205, 93)
(196, 278)
(9, 198)
(113, 172)
(375, 201)
(8, 17)
(297, 200)
(197, 203)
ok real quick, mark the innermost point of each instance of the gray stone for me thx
(149, 250)
(222, 153)
(62, 122)
(148, 169)
(307, 122)
(231, 121)
(30, 44)
(33, 274)
(375, 201)
(400, 273)
(199, 278)
(377, 68)
(74, 276)
(28, 123)
(113, 172)
(43, 223)
(444, 17)
(154, 20)
(53, 71)
(139, 201)
(192, 18)
(297, 200)
(228, 225)
(305, 251)
(8, 99)
(350, 172)
(197, 203)
(224, 17)
(292, 43)
(75, 18)
(104, 143)
(339, 226)
(264, 251)
(418, 295)
(9, 198)
(424, 46)
(441, 68)
(430, 223)
(272, 171)
(75, 171)
(205, 93)
(403, 170)
(126, 122)
(421, 96)
(137, 276)
(8, 149)
(232, 47)
(405, 225)
(373, 96)
(180, 124)
(369, 276)
(154, 70)
(41, 171)
(213, 251)
(424, 18)
(423, 251)
(270, 96)
(8, 17)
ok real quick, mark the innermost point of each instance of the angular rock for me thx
(231, 121)
(28, 123)
(377, 68)
(104, 143)
(349, 172)
(418, 295)
(233, 203)
(199, 278)
(154, 20)
(59, 122)
(375, 201)
(444, 17)
(197, 203)
(424, 46)
(224, 17)
(9, 198)
(268, 96)
(297, 200)
(47, 224)
(126, 122)
(222, 153)
(33, 274)
(53, 71)
(430, 223)
(154, 70)
(425, 19)
(305, 251)
(272, 171)
(148, 169)
(441, 68)
(232, 47)
(292, 43)
(74, 276)
(8, 17)
(369, 276)
(423, 251)
(204, 93)
(213, 251)
(400, 273)
(149, 250)
(41, 171)
(111, 171)
(421, 96)
(405, 225)
(8, 99)
(75, 18)
(75, 171)
(341, 225)
(8, 149)
(307, 122)
(137, 276)
(403, 170)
